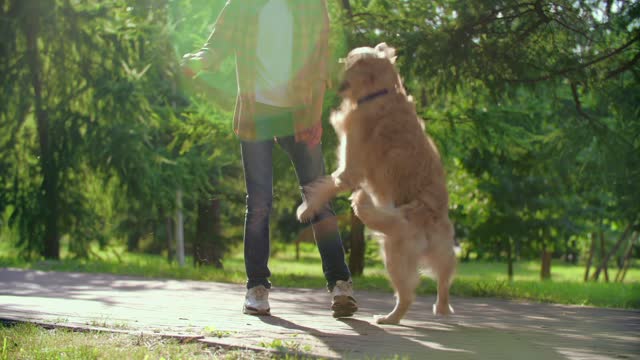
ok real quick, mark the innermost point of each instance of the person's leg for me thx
(309, 165)
(258, 175)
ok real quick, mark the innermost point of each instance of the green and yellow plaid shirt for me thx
(235, 33)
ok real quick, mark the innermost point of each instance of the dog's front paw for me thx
(305, 212)
(442, 310)
(385, 320)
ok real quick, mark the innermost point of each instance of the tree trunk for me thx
(596, 273)
(602, 256)
(346, 6)
(592, 250)
(627, 258)
(466, 255)
(47, 161)
(179, 228)
(509, 260)
(545, 269)
(169, 231)
(356, 255)
(133, 238)
(567, 254)
(605, 260)
(206, 250)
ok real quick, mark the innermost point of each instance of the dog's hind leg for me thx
(445, 275)
(442, 261)
(402, 264)
(386, 220)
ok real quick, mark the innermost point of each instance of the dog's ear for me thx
(385, 51)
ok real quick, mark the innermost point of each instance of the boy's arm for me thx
(219, 45)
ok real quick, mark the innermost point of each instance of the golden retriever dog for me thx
(396, 175)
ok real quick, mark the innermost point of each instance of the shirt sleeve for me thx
(221, 42)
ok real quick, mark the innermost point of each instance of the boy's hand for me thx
(310, 136)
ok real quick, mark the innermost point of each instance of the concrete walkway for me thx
(301, 321)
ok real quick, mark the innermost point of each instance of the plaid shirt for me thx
(235, 33)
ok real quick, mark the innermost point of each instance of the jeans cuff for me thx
(257, 282)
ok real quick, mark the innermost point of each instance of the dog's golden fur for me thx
(397, 177)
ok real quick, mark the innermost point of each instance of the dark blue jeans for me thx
(258, 174)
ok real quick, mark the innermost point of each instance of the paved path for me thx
(481, 329)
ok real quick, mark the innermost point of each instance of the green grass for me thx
(286, 346)
(27, 341)
(474, 279)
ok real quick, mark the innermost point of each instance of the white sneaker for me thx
(343, 303)
(256, 302)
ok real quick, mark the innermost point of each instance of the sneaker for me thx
(343, 303)
(256, 302)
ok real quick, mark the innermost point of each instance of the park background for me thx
(106, 153)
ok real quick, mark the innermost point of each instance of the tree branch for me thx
(594, 122)
(571, 28)
(575, 68)
(628, 65)
(576, 99)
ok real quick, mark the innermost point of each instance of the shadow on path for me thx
(483, 328)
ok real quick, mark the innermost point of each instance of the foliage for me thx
(114, 119)
(534, 105)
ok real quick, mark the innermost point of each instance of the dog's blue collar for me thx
(373, 96)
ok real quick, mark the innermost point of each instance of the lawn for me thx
(27, 341)
(479, 279)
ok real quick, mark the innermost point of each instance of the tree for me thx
(57, 68)
(92, 88)
(513, 90)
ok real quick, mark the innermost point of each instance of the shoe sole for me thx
(256, 312)
(343, 306)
